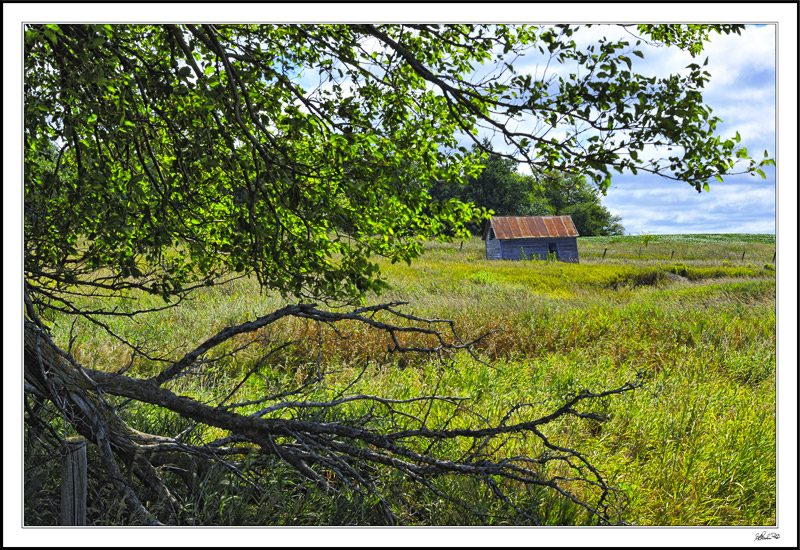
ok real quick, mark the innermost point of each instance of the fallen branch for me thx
(322, 435)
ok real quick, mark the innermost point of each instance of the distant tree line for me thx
(500, 188)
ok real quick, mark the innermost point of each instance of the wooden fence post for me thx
(671, 255)
(604, 253)
(773, 257)
(73, 482)
(743, 256)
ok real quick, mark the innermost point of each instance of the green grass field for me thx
(694, 446)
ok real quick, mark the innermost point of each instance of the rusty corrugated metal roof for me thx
(536, 227)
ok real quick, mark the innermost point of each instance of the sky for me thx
(741, 92)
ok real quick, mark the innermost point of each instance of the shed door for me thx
(552, 248)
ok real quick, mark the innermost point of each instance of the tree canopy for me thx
(296, 152)
(498, 187)
(159, 158)
(501, 189)
(575, 197)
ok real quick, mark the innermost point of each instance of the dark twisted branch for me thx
(353, 448)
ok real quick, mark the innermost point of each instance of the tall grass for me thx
(694, 446)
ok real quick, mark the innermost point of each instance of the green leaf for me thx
(307, 186)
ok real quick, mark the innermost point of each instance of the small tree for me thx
(163, 158)
(501, 189)
(498, 187)
(647, 239)
(575, 197)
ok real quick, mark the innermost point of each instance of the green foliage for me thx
(696, 273)
(574, 197)
(209, 140)
(687, 37)
(498, 187)
(482, 278)
(501, 189)
(188, 138)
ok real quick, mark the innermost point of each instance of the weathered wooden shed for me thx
(526, 237)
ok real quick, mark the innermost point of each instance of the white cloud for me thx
(741, 92)
(732, 55)
(654, 205)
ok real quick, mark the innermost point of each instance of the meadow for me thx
(694, 315)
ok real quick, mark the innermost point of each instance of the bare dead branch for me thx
(354, 436)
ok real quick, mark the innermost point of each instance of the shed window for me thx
(552, 248)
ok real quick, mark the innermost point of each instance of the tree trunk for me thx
(70, 388)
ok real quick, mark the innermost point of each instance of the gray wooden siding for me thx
(515, 248)
(493, 251)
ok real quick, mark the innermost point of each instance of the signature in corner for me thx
(767, 536)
